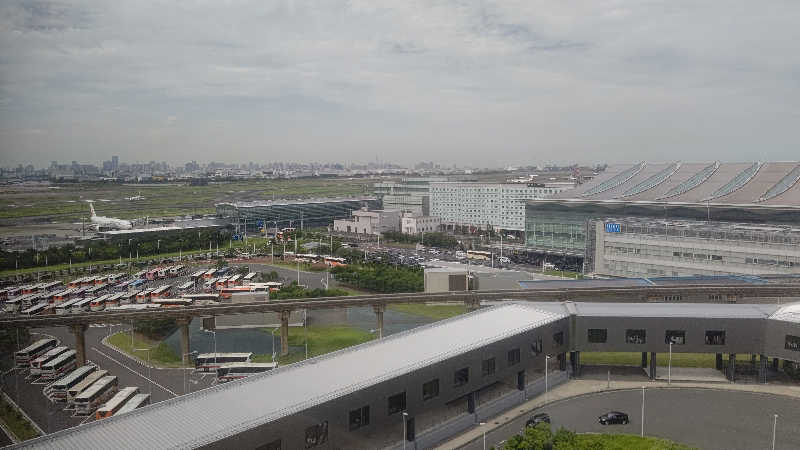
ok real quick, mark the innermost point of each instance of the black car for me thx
(536, 419)
(613, 417)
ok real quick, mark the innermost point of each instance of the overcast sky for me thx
(470, 82)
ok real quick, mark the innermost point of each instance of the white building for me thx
(411, 224)
(369, 222)
(500, 205)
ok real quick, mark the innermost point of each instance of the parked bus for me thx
(201, 297)
(334, 261)
(38, 308)
(115, 277)
(230, 372)
(233, 281)
(58, 390)
(176, 270)
(209, 274)
(209, 286)
(88, 400)
(96, 290)
(128, 298)
(12, 305)
(162, 272)
(60, 365)
(195, 276)
(206, 361)
(102, 279)
(221, 283)
(136, 284)
(65, 307)
(117, 401)
(75, 390)
(52, 285)
(81, 305)
(24, 357)
(249, 278)
(161, 291)
(151, 274)
(140, 275)
(137, 401)
(88, 281)
(478, 255)
(13, 291)
(133, 307)
(122, 286)
(114, 300)
(99, 303)
(66, 294)
(36, 364)
(171, 302)
(186, 286)
(144, 296)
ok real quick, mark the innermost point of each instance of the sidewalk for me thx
(575, 388)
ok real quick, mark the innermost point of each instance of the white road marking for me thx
(135, 372)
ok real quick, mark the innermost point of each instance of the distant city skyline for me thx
(482, 84)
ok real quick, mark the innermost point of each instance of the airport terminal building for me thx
(743, 218)
(255, 216)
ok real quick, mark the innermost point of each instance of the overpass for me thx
(729, 292)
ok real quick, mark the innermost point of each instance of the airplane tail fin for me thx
(91, 208)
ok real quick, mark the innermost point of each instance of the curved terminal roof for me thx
(747, 183)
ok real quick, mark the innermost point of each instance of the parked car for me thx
(613, 417)
(536, 419)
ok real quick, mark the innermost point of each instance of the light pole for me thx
(190, 354)
(405, 415)
(642, 432)
(546, 359)
(484, 435)
(215, 344)
(149, 368)
(774, 426)
(669, 367)
(273, 342)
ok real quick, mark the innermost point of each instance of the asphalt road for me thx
(703, 418)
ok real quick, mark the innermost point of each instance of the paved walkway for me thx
(574, 388)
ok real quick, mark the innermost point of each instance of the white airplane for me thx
(135, 197)
(108, 222)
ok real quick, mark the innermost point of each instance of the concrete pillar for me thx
(732, 367)
(775, 365)
(762, 369)
(719, 361)
(577, 369)
(652, 365)
(644, 359)
(79, 331)
(471, 403)
(562, 361)
(285, 332)
(379, 310)
(183, 324)
(753, 361)
(472, 304)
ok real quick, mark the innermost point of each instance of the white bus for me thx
(186, 286)
(161, 292)
(249, 278)
(36, 364)
(99, 303)
(176, 270)
(59, 366)
(57, 391)
(230, 372)
(24, 357)
(12, 305)
(195, 276)
(88, 400)
(81, 305)
(36, 309)
(66, 306)
(75, 390)
(479, 255)
(206, 361)
(116, 402)
(137, 401)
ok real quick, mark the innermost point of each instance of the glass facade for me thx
(320, 212)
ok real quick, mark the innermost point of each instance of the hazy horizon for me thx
(484, 84)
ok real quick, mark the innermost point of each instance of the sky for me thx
(472, 83)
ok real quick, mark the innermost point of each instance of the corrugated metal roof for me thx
(788, 313)
(212, 414)
(666, 310)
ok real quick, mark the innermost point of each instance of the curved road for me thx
(704, 418)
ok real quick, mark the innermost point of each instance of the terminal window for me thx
(461, 377)
(635, 336)
(558, 338)
(430, 389)
(677, 337)
(598, 335)
(715, 337)
(359, 418)
(488, 367)
(397, 403)
(513, 357)
(793, 343)
(317, 434)
(537, 347)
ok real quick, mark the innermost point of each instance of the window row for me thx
(639, 336)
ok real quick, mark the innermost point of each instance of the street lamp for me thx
(774, 426)
(484, 435)
(669, 367)
(273, 342)
(215, 344)
(405, 415)
(190, 354)
(642, 432)
(149, 368)
(546, 359)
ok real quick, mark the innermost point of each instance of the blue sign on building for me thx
(613, 228)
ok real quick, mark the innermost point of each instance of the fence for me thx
(465, 421)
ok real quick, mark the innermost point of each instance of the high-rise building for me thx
(115, 163)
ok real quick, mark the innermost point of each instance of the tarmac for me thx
(578, 387)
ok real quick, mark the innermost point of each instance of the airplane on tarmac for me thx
(135, 197)
(108, 222)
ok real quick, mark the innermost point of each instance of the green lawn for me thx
(15, 422)
(322, 339)
(625, 442)
(436, 312)
(705, 360)
(161, 355)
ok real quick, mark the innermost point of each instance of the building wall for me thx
(385, 429)
(419, 224)
(313, 213)
(500, 205)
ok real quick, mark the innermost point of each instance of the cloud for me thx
(478, 82)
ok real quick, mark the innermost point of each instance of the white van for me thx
(504, 260)
(460, 254)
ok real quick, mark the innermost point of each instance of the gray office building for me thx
(291, 213)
